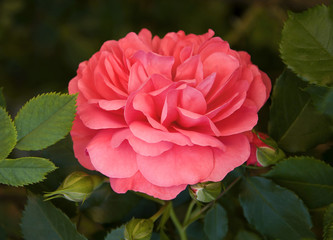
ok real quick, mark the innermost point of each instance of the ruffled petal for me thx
(236, 153)
(140, 184)
(179, 165)
(96, 118)
(119, 162)
(81, 136)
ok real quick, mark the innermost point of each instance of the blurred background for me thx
(42, 43)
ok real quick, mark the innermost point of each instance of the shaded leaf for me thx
(2, 98)
(23, 171)
(328, 223)
(195, 231)
(216, 223)
(307, 177)
(294, 122)
(246, 235)
(116, 234)
(307, 44)
(48, 222)
(44, 120)
(322, 98)
(8, 134)
(274, 211)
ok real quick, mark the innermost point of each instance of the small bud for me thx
(139, 229)
(77, 187)
(205, 192)
(264, 150)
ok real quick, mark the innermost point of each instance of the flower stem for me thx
(189, 211)
(197, 216)
(180, 228)
(159, 212)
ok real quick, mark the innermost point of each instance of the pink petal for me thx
(236, 153)
(140, 184)
(169, 111)
(190, 69)
(154, 63)
(113, 162)
(111, 105)
(148, 134)
(81, 136)
(192, 100)
(139, 146)
(244, 119)
(144, 103)
(146, 37)
(137, 77)
(131, 44)
(206, 85)
(202, 139)
(96, 118)
(180, 165)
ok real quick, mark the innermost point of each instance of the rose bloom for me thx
(157, 114)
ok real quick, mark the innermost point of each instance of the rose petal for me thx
(192, 100)
(81, 136)
(113, 162)
(154, 63)
(148, 134)
(244, 119)
(95, 118)
(236, 153)
(140, 184)
(190, 69)
(202, 139)
(180, 165)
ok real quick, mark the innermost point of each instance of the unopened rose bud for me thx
(139, 229)
(264, 150)
(205, 192)
(77, 187)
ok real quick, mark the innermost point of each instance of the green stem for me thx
(159, 212)
(180, 228)
(197, 216)
(189, 211)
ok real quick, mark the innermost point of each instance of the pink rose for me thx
(155, 115)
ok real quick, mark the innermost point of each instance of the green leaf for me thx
(246, 235)
(307, 44)
(41, 220)
(195, 231)
(216, 223)
(307, 177)
(2, 98)
(44, 120)
(328, 223)
(8, 134)
(23, 171)
(116, 234)
(322, 98)
(294, 122)
(274, 211)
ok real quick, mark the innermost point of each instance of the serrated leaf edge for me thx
(15, 131)
(33, 182)
(37, 97)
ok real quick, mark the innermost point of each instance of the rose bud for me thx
(76, 187)
(155, 114)
(139, 229)
(205, 192)
(264, 150)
